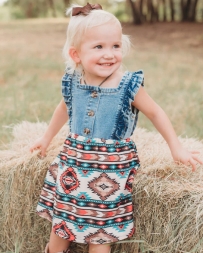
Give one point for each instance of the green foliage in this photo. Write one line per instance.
(28, 8)
(120, 10)
(17, 13)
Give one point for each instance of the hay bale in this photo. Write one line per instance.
(167, 197)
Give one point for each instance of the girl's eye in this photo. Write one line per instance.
(116, 46)
(99, 47)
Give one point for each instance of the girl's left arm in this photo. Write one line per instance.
(158, 117)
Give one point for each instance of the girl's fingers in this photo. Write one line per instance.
(34, 148)
(197, 159)
(194, 152)
(195, 156)
(191, 158)
(193, 163)
(43, 153)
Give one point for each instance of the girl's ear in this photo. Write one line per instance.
(74, 54)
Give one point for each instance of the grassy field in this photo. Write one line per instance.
(31, 67)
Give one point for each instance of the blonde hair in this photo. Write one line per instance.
(77, 27)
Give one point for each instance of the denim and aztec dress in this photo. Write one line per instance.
(87, 192)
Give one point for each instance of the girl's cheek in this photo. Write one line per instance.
(119, 56)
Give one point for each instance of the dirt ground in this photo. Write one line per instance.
(188, 36)
(172, 36)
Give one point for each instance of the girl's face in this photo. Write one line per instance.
(100, 51)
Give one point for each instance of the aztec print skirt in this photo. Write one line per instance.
(87, 190)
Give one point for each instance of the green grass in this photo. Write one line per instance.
(31, 67)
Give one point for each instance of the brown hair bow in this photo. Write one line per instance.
(85, 10)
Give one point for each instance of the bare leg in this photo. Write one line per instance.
(57, 244)
(98, 248)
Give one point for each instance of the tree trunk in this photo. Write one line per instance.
(193, 11)
(183, 10)
(149, 13)
(135, 13)
(187, 9)
(185, 5)
(152, 11)
(143, 17)
(66, 3)
(164, 10)
(172, 10)
(156, 11)
(29, 10)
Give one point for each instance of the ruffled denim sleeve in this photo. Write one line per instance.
(136, 81)
(67, 94)
(127, 117)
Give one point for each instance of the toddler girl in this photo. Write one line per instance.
(87, 189)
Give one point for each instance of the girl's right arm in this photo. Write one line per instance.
(59, 118)
(158, 117)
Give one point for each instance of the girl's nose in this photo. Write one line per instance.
(108, 55)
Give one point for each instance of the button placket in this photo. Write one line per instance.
(92, 105)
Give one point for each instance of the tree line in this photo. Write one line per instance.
(141, 10)
(164, 10)
(38, 8)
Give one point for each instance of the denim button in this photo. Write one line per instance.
(94, 94)
(86, 130)
(90, 113)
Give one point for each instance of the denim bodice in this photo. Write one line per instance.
(97, 112)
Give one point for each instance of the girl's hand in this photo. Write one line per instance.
(186, 157)
(42, 144)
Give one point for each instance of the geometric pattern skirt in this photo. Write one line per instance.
(87, 192)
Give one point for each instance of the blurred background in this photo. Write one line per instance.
(137, 11)
(167, 38)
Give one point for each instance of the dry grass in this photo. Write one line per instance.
(167, 198)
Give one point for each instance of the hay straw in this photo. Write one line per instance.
(168, 198)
